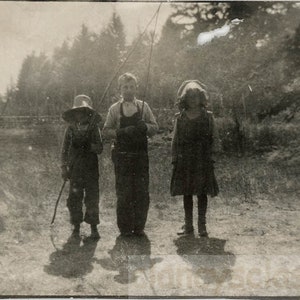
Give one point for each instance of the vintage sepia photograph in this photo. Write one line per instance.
(150, 149)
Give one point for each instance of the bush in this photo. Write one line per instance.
(256, 137)
(269, 136)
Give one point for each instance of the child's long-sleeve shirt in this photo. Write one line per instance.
(80, 149)
(113, 117)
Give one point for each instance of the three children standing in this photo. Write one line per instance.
(129, 123)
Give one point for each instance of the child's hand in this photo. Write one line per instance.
(86, 146)
(81, 143)
(96, 148)
(129, 130)
(141, 125)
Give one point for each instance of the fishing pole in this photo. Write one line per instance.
(150, 57)
(57, 201)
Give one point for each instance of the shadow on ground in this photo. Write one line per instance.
(207, 256)
(73, 260)
(128, 255)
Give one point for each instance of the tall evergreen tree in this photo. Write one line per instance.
(32, 79)
(110, 47)
(59, 90)
(80, 78)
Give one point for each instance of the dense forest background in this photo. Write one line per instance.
(252, 72)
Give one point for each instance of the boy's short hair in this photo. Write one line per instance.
(125, 78)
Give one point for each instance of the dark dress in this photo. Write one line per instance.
(132, 177)
(193, 172)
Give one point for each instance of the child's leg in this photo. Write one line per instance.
(141, 194)
(94, 232)
(188, 215)
(76, 229)
(74, 204)
(188, 211)
(125, 209)
(124, 190)
(91, 201)
(202, 208)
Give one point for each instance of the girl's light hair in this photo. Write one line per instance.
(195, 86)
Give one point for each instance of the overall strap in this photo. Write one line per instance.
(139, 111)
(121, 110)
(210, 127)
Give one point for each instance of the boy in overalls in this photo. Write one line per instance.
(128, 123)
(79, 162)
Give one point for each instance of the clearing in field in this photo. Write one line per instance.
(252, 249)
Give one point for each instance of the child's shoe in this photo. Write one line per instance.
(202, 230)
(76, 231)
(186, 230)
(94, 233)
(139, 232)
(126, 233)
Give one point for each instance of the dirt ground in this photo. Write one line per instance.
(252, 249)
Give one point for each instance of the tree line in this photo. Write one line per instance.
(250, 72)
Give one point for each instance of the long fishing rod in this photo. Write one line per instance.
(150, 58)
(129, 54)
(56, 204)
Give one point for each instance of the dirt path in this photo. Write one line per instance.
(252, 249)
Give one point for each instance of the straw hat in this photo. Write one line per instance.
(81, 103)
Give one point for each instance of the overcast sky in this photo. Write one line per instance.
(41, 26)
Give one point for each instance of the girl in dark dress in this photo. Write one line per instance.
(192, 147)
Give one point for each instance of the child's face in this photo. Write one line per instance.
(193, 99)
(128, 90)
(81, 117)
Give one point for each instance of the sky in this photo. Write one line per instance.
(41, 26)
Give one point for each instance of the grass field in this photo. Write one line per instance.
(253, 229)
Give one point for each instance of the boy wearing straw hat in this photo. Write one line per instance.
(79, 163)
(128, 123)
